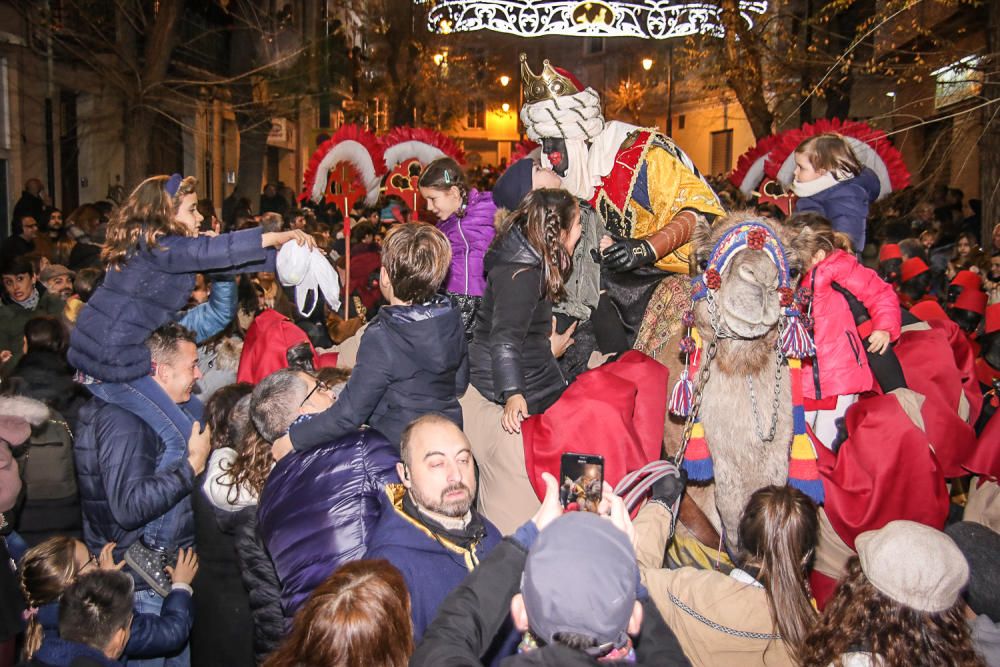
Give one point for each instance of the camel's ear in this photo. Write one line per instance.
(701, 244)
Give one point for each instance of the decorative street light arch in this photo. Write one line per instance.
(649, 19)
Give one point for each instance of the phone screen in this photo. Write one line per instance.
(581, 478)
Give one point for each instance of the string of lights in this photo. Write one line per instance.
(649, 19)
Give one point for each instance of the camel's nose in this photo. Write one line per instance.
(764, 274)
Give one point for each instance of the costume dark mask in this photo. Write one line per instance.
(555, 149)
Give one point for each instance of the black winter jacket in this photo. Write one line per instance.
(510, 351)
(222, 605)
(261, 582)
(472, 615)
(412, 360)
(120, 491)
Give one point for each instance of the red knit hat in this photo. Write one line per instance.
(912, 268)
(973, 300)
(968, 280)
(889, 251)
(928, 310)
(992, 318)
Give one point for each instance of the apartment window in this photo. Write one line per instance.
(680, 121)
(722, 152)
(476, 118)
(957, 81)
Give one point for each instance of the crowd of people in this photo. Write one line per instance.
(243, 439)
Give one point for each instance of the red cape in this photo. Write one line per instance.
(942, 378)
(884, 471)
(617, 411)
(265, 347)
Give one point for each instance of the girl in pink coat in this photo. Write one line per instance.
(856, 317)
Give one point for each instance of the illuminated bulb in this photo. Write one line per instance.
(505, 107)
(647, 64)
(438, 59)
(504, 80)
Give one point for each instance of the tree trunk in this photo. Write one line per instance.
(744, 67)
(137, 130)
(147, 92)
(989, 145)
(253, 119)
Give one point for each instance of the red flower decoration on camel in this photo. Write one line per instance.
(756, 238)
(787, 296)
(712, 279)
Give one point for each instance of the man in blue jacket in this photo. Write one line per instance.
(116, 456)
(429, 528)
(317, 507)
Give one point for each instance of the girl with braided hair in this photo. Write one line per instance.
(48, 569)
(510, 357)
(465, 215)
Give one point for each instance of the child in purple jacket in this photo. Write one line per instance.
(466, 217)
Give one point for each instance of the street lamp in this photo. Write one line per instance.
(647, 64)
(504, 80)
(438, 59)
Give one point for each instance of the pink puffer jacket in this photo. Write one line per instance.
(840, 366)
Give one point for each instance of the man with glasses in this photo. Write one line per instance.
(22, 241)
(318, 506)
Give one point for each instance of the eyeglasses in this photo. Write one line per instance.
(92, 560)
(319, 386)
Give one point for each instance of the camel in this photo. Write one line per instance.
(749, 432)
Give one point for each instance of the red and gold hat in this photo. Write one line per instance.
(972, 300)
(968, 280)
(912, 268)
(889, 251)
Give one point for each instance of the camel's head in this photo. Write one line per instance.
(747, 270)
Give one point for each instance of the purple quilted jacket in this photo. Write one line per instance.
(470, 238)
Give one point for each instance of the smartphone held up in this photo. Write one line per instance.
(581, 478)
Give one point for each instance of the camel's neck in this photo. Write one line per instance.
(745, 357)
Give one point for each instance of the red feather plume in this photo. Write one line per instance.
(349, 132)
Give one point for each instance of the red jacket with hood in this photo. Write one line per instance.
(840, 366)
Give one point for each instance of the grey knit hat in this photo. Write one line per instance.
(581, 577)
(981, 548)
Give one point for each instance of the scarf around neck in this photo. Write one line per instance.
(815, 186)
(31, 302)
(473, 531)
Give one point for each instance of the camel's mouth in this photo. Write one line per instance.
(748, 313)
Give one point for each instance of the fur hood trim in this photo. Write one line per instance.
(32, 411)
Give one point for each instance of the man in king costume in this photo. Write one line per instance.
(646, 189)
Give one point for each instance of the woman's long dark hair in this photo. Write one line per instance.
(859, 617)
(542, 217)
(358, 617)
(778, 534)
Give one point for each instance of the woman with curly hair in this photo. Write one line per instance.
(898, 606)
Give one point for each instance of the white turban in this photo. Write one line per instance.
(575, 118)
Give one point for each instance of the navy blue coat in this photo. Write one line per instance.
(845, 205)
(412, 360)
(318, 507)
(151, 635)
(120, 492)
(109, 341)
(431, 565)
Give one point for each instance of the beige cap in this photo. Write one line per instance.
(914, 565)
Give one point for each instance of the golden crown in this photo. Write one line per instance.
(547, 86)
